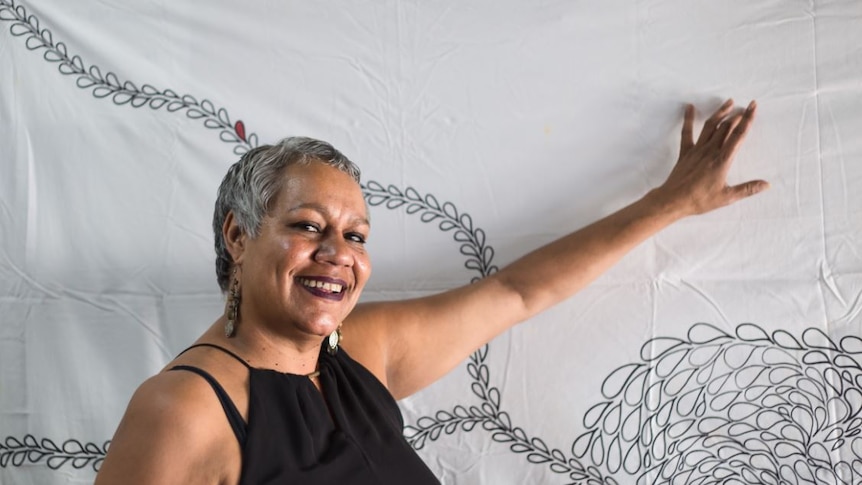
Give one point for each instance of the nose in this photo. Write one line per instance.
(333, 249)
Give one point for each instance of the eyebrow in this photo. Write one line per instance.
(323, 210)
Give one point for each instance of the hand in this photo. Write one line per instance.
(698, 182)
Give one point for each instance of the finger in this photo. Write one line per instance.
(726, 128)
(747, 189)
(687, 140)
(735, 138)
(713, 121)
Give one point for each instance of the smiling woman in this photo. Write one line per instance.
(266, 396)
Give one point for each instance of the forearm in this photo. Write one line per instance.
(561, 268)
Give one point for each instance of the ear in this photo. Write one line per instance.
(234, 238)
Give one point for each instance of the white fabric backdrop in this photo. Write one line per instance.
(503, 124)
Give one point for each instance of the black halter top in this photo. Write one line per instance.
(293, 435)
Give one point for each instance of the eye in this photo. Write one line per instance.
(307, 226)
(356, 237)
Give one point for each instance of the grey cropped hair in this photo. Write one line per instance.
(251, 184)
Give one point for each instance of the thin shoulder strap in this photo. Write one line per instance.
(230, 410)
(228, 352)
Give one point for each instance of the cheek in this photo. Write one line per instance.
(363, 269)
(285, 246)
(290, 252)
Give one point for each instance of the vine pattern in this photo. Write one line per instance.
(120, 92)
(15, 452)
(487, 413)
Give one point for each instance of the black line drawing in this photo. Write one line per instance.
(122, 92)
(29, 450)
(750, 407)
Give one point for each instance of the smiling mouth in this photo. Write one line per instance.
(322, 286)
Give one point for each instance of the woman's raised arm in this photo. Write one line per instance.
(415, 342)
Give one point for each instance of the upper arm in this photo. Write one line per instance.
(412, 343)
(170, 433)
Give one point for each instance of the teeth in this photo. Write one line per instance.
(330, 287)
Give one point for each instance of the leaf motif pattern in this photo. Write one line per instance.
(446, 216)
(752, 407)
(29, 450)
(109, 85)
(487, 413)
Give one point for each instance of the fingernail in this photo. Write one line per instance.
(728, 102)
(752, 105)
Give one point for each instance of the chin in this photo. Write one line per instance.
(323, 328)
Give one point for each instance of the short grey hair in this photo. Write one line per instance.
(252, 183)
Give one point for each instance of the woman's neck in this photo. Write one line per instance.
(268, 350)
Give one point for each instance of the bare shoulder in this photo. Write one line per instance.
(174, 431)
(416, 341)
(376, 334)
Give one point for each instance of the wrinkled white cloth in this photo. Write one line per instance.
(483, 129)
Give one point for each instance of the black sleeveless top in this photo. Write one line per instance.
(293, 436)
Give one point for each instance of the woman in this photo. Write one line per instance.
(278, 390)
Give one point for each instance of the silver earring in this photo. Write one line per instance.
(334, 340)
(233, 300)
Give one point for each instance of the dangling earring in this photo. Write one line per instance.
(334, 340)
(232, 307)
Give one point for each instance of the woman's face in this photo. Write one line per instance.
(304, 272)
